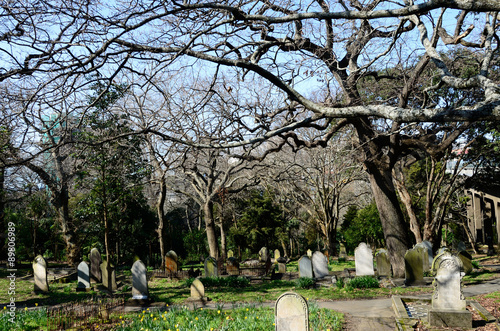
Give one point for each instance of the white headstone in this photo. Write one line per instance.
(197, 289)
(320, 265)
(448, 283)
(139, 281)
(363, 260)
(83, 277)
(263, 254)
(305, 267)
(40, 274)
(291, 313)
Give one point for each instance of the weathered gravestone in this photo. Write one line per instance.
(40, 274)
(230, 253)
(305, 267)
(448, 303)
(414, 266)
(281, 265)
(320, 265)
(277, 254)
(171, 262)
(95, 265)
(309, 253)
(460, 246)
(233, 266)
(442, 250)
(211, 269)
(83, 277)
(291, 313)
(430, 256)
(342, 252)
(106, 277)
(197, 290)
(466, 259)
(363, 260)
(383, 263)
(139, 281)
(263, 254)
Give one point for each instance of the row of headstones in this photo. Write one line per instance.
(315, 266)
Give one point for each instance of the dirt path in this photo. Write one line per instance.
(369, 323)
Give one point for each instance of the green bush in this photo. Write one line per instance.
(304, 282)
(363, 282)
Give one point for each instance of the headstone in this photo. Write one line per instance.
(104, 275)
(414, 266)
(442, 250)
(461, 246)
(171, 262)
(291, 313)
(363, 260)
(430, 256)
(230, 253)
(263, 254)
(211, 269)
(281, 267)
(139, 281)
(95, 265)
(342, 252)
(448, 303)
(40, 274)
(305, 267)
(197, 290)
(83, 277)
(466, 259)
(233, 267)
(277, 254)
(320, 265)
(309, 253)
(383, 263)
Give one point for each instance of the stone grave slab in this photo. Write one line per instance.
(83, 272)
(363, 260)
(105, 279)
(383, 263)
(95, 265)
(211, 269)
(320, 265)
(414, 266)
(305, 267)
(40, 274)
(139, 281)
(291, 313)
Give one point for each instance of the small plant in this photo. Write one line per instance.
(304, 282)
(363, 282)
(340, 283)
(475, 264)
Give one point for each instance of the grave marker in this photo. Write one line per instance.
(139, 281)
(305, 267)
(414, 266)
(83, 277)
(320, 265)
(40, 274)
(383, 263)
(291, 313)
(263, 254)
(171, 262)
(230, 253)
(197, 290)
(211, 269)
(363, 260)
(105, 278)
(95, 265)
(233, 267)
(277, 254)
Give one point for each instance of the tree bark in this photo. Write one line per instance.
(210, 229)
(161, 220)
(406, 199)
(391, 217)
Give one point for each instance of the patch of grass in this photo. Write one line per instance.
(24, 320)
(494, 295)
(235, 282)
(304, 282)
(363, 282)
(477, 277)
(340, 265)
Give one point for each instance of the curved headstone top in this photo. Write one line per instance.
(291, 313)
(173, 255)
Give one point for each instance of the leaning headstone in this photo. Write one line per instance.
(230, 253)
(430, 256)
(197, 290)
(95, 265)
(309, 253)
(363, 260)
(383, 263)
(320, 265)
(139, 281)
(105, 278)
(171, 262)
(232, 266)
(263, 254)
(466, 259)
(40, 274)
(342, 252)
(305, 267)
(291, 313)
(211, 269)
(448, 303)
(277, 254)
(83, 277)
(414, 266)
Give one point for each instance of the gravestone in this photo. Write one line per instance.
(448, 303)
(197, 290)
(277, 254)
(95, 265)
(230, 253)
(233, 267)
(430, 256)
(171, 262)
(139, 281)
(383, 263)
(104, 275)
(305, 267)
(461, 246)
(291, 313)
(40, 274)
(281, 265)
(342, 252)
(414, 266)
(442, 250)
(211, 269)
(363, 260)
(83, 277)
(466, 259)
(320, 265)
(309, 253)
(263, 254)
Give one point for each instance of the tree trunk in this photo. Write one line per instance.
(72, 247)
(161, 220)
(391, 217)
(406, 199)
(210, 229)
